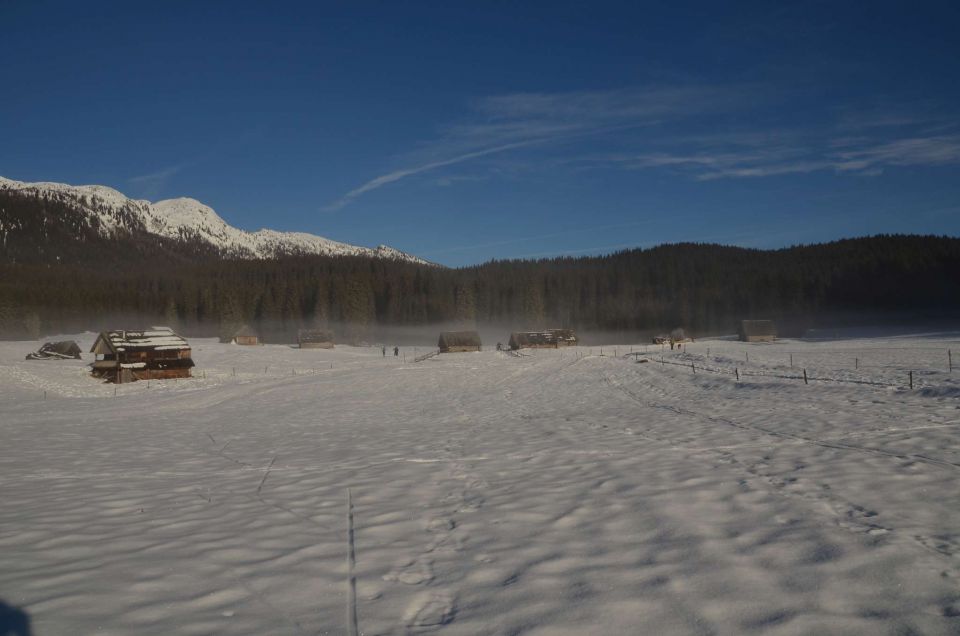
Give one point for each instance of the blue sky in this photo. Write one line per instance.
(500, 129)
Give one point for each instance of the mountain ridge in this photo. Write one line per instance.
(108, 211)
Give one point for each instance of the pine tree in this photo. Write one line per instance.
(170, 314)
(230, 317)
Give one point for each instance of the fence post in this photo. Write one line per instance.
(791, 360)
(856, 363)
(748, 356)
(911, 379)
(950, 360)
(737, 371)
(805, 377)
(694, 368)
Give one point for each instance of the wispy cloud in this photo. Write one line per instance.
(499, 124)
(150, 185)
(568, 124)
(396, 175)
(915, 151)
(756, 155)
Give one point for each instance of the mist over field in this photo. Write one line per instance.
(704, 289)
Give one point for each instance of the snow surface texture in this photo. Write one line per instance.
(188, 218)
(558, 492)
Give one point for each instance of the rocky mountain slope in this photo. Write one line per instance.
(96, 211)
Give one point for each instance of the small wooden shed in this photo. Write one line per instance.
(246, 335)
(757, 331)
(549, 339)
(154, 354)
(62, 350)
(315, 339)
(455, 341)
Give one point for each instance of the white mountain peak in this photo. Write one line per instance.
(188, 218)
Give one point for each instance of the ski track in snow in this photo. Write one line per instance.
(488, 494)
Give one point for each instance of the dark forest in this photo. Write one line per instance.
(58, 274)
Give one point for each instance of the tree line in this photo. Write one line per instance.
(703, 288)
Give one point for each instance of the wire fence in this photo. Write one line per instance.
(427, 355)
(737, 372)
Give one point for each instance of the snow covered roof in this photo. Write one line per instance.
(548, 336)
(157, 338)
(459, 339)
(245, 330)
(315, 335)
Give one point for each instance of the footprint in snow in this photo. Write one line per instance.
(411, 572)
(429, 612)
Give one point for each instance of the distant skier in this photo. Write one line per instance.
(384, 349)
(396, 352)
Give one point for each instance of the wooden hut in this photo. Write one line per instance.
(454, 341)
(245, 335)
(62, 350)
(549, 339)
(315, 339)
(155, 354)
(757, 331)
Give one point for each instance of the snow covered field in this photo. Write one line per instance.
(556, 493)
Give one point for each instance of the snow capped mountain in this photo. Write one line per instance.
(108, 210)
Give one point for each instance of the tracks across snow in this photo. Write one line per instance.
(490, 495)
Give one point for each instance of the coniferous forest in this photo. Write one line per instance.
(58, 274)
(704, 288)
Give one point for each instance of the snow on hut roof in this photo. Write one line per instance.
(460, 339)
(56, 350)
(157, 338)
(244, 330)
(547, 336)
(315, 335)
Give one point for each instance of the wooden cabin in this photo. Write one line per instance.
(315, 339)
(156, 354)
(245, 335)
(549, 339)
(757, 331)
(62, 350)
(455, 341)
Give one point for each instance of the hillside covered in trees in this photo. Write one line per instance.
(131, 281)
